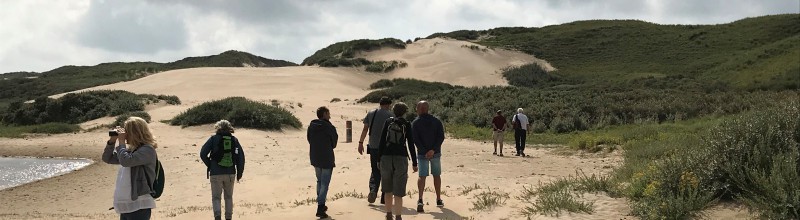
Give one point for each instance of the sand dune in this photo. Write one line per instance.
(278, 177)
(452, 61)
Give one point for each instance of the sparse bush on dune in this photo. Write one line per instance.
(79, 107)
(241, 112)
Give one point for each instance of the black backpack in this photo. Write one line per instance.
(396, 133)
(158, 184)
(517, 123)
(223, 153)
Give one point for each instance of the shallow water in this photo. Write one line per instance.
(18, 171)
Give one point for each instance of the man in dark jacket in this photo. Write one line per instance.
(428, 137)
(224, 159)
(322, 139)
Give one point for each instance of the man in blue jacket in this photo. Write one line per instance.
(322, 139)
(428, 137)
(224, 159)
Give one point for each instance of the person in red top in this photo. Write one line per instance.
(498, 128)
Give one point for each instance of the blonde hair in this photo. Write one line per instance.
(138, 133)
(223, 125)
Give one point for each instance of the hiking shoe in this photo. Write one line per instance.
(419, 206)
(371, 197)
(321, 211)
(439, 203)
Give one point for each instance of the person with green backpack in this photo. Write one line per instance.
(224, 159)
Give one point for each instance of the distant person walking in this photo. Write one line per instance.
(373, 126)
(136, 155)
(428, 137)
(322, 139)
(224, 159)
(498, 131)
(521, 125)
(395, 147)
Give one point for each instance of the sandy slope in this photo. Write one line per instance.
(278, 174)
(446, 60)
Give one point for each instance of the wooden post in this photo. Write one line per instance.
(349, 126)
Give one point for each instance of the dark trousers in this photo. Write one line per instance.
(375, 176)
(141, 214)
(519, 139)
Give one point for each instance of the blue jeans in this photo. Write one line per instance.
(323, 181)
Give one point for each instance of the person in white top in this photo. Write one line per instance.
(521, 127)
(137, 158)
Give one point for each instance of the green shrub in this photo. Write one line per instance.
(383, 83)
(241, 112)
(123, 117)
(398, 88)
(758, 159)
(530, 75)
(79, 107)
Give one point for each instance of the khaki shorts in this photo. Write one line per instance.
(394, 174)
(498, 136)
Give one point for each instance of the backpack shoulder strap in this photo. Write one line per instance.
(374, 113)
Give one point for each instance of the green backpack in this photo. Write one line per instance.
(223, 152)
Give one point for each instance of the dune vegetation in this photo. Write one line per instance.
(241, 112)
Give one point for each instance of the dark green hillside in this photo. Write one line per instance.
(753, 53)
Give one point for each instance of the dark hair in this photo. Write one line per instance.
(400, 109)
(321, 111)
(385, 101)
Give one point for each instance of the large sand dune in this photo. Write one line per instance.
(278, 176)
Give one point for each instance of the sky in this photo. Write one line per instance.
(40, 35)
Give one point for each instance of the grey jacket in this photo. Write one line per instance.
(142, 162)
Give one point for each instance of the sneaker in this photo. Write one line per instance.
(501, 154)
(419, 206)
(371, 197)
(439, 203)
(523, 155)
(495, 153)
